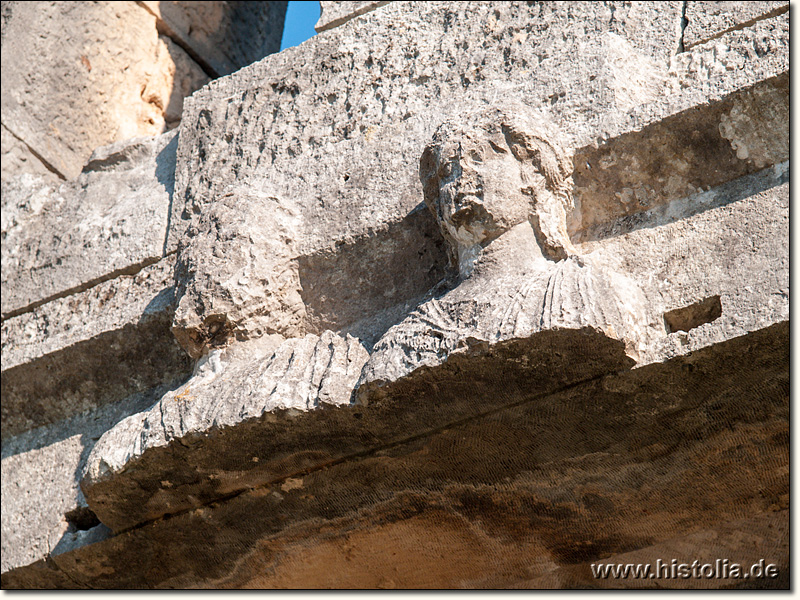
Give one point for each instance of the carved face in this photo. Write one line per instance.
(481, 190)
(492, 170)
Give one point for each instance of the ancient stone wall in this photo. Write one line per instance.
(450, 295)
(79, 75)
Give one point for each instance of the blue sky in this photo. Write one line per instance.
(300, 20)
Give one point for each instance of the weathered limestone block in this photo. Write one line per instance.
(515, 427)
(111, 220)
(222, 36)
(756, 125)
(344, 148)
(665, 271)
(681, 155)
(591, 308)
(43, 510)
(18, 158)
(691, 451)
(747, 270)
(89, 349)
(245, 388)
(709, 19)
(333, 14)
(76, 76)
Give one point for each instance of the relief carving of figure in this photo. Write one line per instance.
(499, 182)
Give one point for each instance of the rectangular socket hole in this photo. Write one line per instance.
(694, 315)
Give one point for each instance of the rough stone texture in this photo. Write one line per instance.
(90, 349)
(313, 125)
(544, 386)
(244, 388)
(756, 124)
(222, 36)
(428, 348)
(81, 75)
(344, 147)
(708, 20)
(748, 269)
(18, 158)
(333, 14)
(111, 220)
(542, 487)
(40, 494)
(691, 151)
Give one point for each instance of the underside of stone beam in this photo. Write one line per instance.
(556, 481)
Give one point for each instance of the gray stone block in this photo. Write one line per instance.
(112, 220)
(333, 14)
(345, 144)
(18, 158)
(344, 149)
(222, 36)
(89, 349)
(43, 510)
(708, 20)
(749, 273)
(78, 75)
(687, 454)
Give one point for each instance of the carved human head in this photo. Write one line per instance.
(486, 171)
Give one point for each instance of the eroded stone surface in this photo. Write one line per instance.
(562, 481)
(222, 36)
(354, 144)
(706, 20)
(333, 14)
(18, 158)
(89, 349)
(681, 155)
(40, 486)
(81, 75)
(111, 220)
(344, 148)
(748, 269)
(526, 437)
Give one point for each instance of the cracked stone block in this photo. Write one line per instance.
(231, 427)
(412, 351)
(672, 455)
(222, 36)
(344, 148)
(707, 20)
(77, 76)
(43, 510)
(89, 349)
(344, 144)
(333, 14)
(681, 155)
(111, 220)
(18, 158)
(201, 419)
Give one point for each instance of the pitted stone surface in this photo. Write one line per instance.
(708, 19)
(576, 352)
(111, 220)
(223, 36)
(344, 148)
(90, 349)
(333, 14)
(79, 75)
